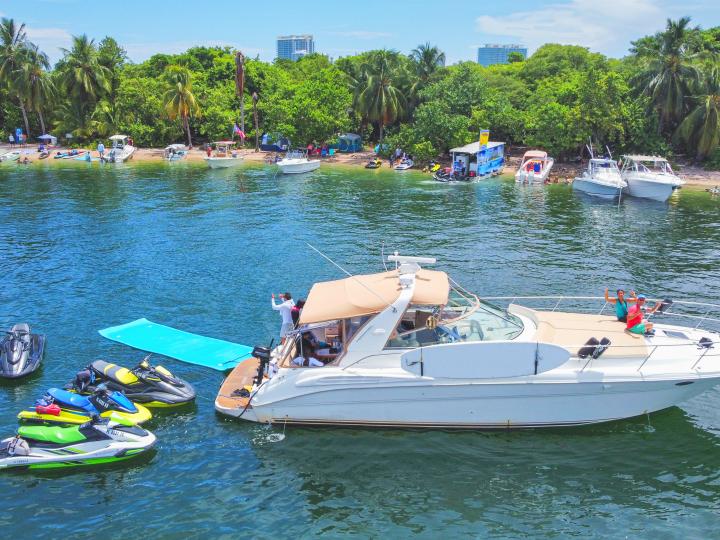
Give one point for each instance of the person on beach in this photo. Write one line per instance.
(635, 321)
(621, 303)
(285, 309)
(101, 151)
(208, 150)
(11, 139)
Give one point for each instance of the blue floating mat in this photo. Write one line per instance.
(192, 348)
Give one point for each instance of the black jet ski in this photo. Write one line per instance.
(153, 386)
(374, 164)
(20, 352)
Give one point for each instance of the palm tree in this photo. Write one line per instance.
(381, 99)
(255, 118)
(13, 41)
(240, 85)
(669, 71)
(179, 99)
(35, 84)
(82, 77)
(428, 59)
(701, 128)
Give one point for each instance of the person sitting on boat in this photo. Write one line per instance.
(306, 358)
(621, 303)
(635, 321)
(285, 309)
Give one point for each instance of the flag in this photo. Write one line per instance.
(239, 132)
(484, 138)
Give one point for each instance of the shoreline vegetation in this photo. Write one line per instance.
(663, 98)
(561, 173)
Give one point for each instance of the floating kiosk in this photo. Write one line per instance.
(476, 160)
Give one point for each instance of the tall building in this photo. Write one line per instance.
(493, 53)
(295, 47)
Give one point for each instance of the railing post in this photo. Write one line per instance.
(603, 308)
(558, 303)
(648, 357)
(702, 319)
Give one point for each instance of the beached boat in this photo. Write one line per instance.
(223, 156)
(409, 347)
(121, 150)
(601, 179)
(535, 167)
(12, 155)
(175, 152)
(297, 162)
(649, 177)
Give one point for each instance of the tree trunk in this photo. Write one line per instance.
(242, 113)
(42, 122)
(25, 118)
(255, 119)
(382, 125)
(187, 130)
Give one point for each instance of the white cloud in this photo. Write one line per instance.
(50, 40)
(606, 26)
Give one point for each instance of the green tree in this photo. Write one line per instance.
(179, 99)
(381, 99)
(701, 128)
(34, 82)
(669, 70)
(13, 45)
(515, 57)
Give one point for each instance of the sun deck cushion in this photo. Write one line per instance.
(114, 372)
(572, 330)
(51, 434)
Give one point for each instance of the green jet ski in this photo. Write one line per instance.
(96, 442)
(152, 386)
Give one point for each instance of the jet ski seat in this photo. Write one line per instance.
(71, 399)
(52, 434)
(114, 372)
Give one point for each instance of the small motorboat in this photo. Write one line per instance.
(59, 406)
(12, 155)
(601, 179)
(297, 162)
(404, 165)
(153, 386)
(223, 155)
(649, 177)
(375, 163)
(175, 152)
(68, 155)
(92, 443)
(20, 352)
(535, 167)
(121, 149)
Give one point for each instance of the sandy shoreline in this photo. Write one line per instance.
(561, 172)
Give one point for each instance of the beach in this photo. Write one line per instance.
(561, 172)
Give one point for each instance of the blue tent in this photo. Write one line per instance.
(350, 142)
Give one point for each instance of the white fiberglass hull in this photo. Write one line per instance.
(455, 404)
(648, 188)
(597, 189)
(223, 162)
(124, 155)
(298, 166)
(523, 176)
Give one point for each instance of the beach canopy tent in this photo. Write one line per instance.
(270, 143)
(350, 142)
(50, 139)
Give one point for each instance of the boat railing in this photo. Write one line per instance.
(704, 315)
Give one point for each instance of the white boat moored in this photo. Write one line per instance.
(297, 162)
(223, 156)
(601, 179)
(175, 152)
(534, 168)
(408, 347)
(120, 150)
(649, 177)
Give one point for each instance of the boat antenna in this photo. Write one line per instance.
(350, 275)
(589, 147)
(608, 151)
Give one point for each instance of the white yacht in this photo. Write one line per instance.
(649, 177)
(409, 347)
(601, 179)
(405, 164)
(120, 150)
(297, 162)
(535, 167)
(224, 155)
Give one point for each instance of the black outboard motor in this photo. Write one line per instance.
(262, 354)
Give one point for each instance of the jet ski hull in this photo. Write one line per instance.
(21, 352)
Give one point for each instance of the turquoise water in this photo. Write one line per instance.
(84, 248)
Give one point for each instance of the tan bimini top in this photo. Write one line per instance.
(371, 293)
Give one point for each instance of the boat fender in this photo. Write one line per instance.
(601, 348)
(589, 348)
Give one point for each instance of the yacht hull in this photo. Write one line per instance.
(223, 163)
(476, 405)
(596, 189)
(298, 168)
(649, 189)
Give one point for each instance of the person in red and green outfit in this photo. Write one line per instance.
(635, 322)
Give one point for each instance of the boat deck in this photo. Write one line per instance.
(242, 376)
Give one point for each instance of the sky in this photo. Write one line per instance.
(341, 28)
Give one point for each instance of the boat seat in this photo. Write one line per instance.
(114, 372)
(52, 434)
(73, 400)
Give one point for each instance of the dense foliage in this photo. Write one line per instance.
(663, 97)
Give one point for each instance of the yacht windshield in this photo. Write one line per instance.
(464, 318)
